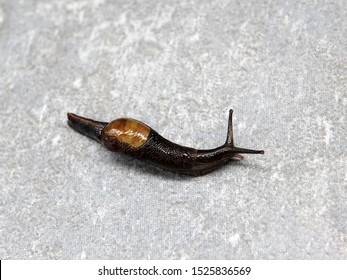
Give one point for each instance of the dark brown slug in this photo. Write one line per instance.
(137, 139)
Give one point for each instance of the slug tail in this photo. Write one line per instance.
(87, 127)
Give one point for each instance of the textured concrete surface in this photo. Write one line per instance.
(178, 66)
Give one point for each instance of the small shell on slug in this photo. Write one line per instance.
(129, 131)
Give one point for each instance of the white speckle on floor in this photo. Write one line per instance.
(234, 239)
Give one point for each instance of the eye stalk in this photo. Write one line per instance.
(230, 139)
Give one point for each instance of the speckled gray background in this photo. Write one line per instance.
(178, 66)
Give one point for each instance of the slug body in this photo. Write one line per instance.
(138, 140)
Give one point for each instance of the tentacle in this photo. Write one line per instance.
(230, 137)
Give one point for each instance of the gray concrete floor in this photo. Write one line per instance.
(178, 66)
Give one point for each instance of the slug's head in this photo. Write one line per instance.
(124, 134)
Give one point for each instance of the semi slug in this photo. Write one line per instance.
(138, 140)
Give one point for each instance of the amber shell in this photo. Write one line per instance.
(128, 131)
